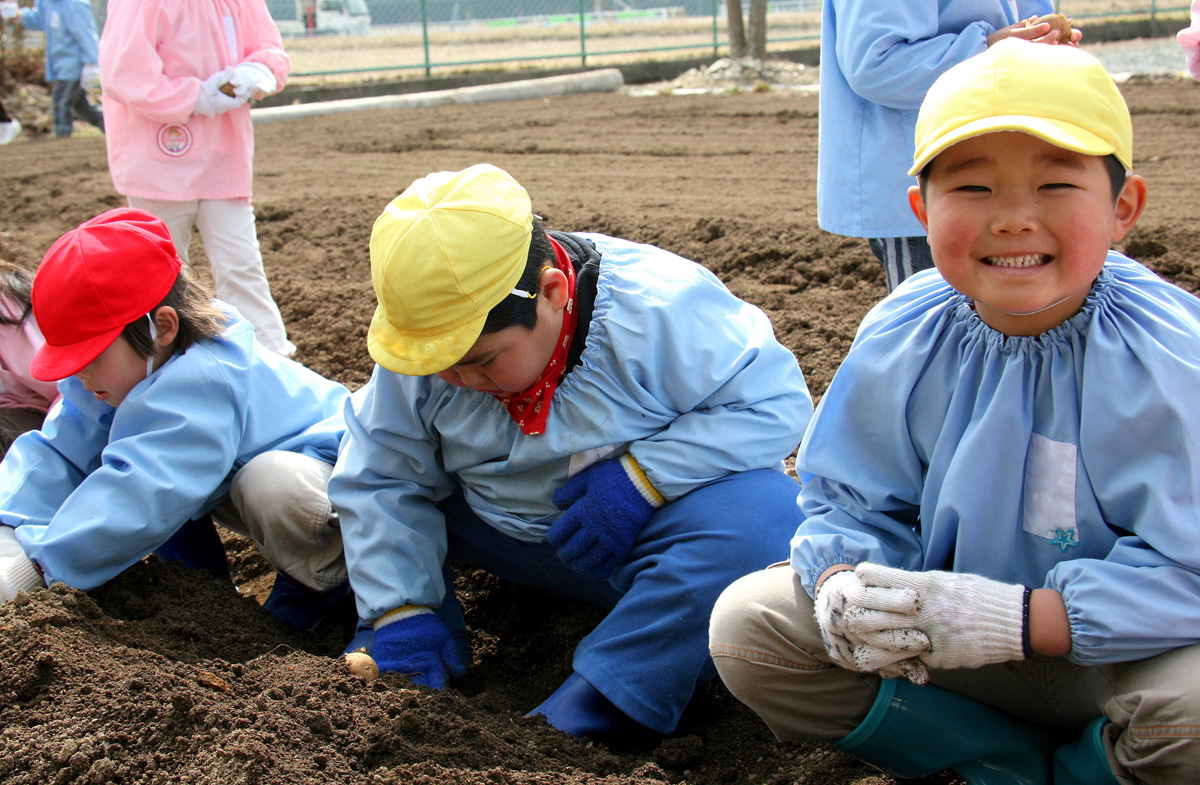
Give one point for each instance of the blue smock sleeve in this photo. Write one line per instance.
(1140, 449)
(385, 486)
(43, 467)
(863, 474)
(34, 18)
(698, 360)
(890, 53)
(172, 443)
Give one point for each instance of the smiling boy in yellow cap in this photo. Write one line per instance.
(592, 417)
(998, 571)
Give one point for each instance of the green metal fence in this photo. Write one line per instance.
(355, 40)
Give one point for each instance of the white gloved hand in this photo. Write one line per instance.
(89, 76)
(969, 621)
(16, 570)
(252, 80)
(890, 652)
(211, 101)
(9, 10)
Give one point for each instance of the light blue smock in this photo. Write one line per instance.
(687, 377)
(878, 59)
(99, 488)
(1069, 460)
(71, 40)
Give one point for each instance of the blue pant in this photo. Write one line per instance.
(67, 96)
(650, 652)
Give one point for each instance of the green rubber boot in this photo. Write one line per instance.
(1085, 762)
(914, 731)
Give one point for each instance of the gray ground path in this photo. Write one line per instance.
(1140, 57)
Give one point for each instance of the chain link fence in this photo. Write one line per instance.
(363, 40)
(355, 39)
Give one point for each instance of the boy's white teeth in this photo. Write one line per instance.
(1016, 261)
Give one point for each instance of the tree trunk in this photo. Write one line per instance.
(737, 32)
(757, 39)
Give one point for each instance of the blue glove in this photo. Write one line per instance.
(606, 507)
(412, 641)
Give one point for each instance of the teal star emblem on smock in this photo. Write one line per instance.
(1064, 538)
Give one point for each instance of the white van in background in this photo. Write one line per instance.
(327, 17)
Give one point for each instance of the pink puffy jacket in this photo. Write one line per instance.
(154, 54)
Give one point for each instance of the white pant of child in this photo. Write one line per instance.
(279, 500)
(767, 648)
(231, 242)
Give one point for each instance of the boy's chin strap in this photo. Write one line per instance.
(153, 338)
(1039, 310)
(531, 408)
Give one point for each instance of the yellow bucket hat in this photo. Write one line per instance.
(1055, 92)
(443, 254)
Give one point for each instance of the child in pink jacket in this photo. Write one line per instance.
(177, 77)
(24, 400)
(1189, 39)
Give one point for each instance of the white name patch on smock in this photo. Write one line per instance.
(584, 459)
(1050, 491)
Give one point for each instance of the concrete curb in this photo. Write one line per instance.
(603, 80)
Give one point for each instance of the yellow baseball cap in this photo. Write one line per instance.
(1058, 93)
(443, 254)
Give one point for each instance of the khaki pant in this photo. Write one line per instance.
(279, 501)
(768, 651)
(231, 242)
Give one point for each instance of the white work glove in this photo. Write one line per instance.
(9, 10)
(211, 101)
(252, 80)
(89, 76)
(970, 621)
(891, 653)
(16, 570)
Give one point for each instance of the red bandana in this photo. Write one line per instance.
(531, 408)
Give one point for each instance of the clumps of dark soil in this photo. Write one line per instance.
(168, 676)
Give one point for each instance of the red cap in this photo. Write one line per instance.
(106, 273)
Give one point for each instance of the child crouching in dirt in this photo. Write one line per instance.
(171, 409)
(1000, 529)
(594, 418)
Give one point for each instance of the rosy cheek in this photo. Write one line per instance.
(468, 378)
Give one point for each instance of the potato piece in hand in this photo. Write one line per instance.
(1062, 24)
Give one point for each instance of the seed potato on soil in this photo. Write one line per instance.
(167, 676)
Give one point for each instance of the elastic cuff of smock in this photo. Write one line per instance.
(17, 572)
(401, 613)
(641, 482)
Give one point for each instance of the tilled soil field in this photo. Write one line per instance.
(166, 676)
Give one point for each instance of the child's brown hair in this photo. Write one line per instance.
(199, 318)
